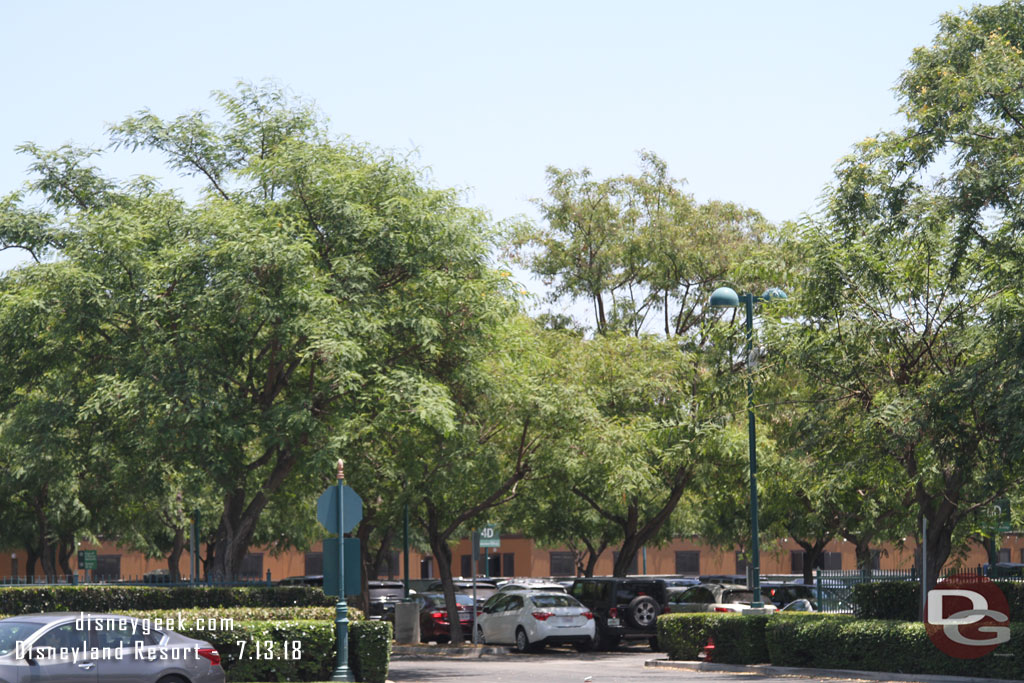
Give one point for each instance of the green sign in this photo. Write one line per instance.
(489, 536)
(353, 567)
(87, 559)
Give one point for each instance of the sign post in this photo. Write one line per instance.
(339, 509)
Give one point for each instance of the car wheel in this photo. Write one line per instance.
(642, 611)
(480, 635)
(522, 642)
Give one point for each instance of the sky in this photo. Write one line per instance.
(749, 101)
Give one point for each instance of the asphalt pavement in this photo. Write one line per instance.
(563, 665)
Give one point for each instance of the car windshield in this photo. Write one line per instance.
(554, 601)
(737, 596)
(11, 632)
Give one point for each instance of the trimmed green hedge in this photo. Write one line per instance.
(902, 599)
(739, 638)
(890, 646)
(299, 650)
(831, 641)
(27, 599)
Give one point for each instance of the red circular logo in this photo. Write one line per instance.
(967, 616)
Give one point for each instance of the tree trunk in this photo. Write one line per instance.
(31, 557)
(442, 555)
(812, 551)
(64, 552)
(862, 548)
(174, 559)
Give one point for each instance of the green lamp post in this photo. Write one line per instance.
(726, 297)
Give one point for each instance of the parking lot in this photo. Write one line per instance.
(558, 665)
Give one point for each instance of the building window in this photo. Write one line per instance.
(466, 563)
(563, 563)
(1004, 555)
(741, 563)
(252, 566)
(632, 568)
(1022, 555)
(314, 564)
(508, 564)
(108, 567)
(687, 562)
(832, 561)
(427, 568)
(876, 559)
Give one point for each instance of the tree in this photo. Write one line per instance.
(246, 335)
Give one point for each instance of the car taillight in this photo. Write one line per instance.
(542, 616)
(721, 609)
(588, 615)
(211, 654)
(613, 613)
(438, 616)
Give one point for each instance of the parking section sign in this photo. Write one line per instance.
(87, 559)
(489, 536)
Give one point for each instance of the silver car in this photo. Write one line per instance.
(530, 620)
(73, 647)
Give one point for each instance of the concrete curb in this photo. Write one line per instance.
(769, 670)
(446, 651)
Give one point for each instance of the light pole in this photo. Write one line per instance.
(726, 297)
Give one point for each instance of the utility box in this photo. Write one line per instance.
(407, 622)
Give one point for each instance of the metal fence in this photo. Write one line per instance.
(834, 589)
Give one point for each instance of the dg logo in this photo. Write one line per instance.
(967, 616)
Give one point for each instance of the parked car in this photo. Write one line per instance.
(800, 605)
(624, 608)
(713, 597)
(383, 595)
(781, 593)
(434, 624)
(58, 646)
(531, 585)
(530, 620)
(485, 588)
(310, 580)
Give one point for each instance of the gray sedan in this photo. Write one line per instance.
(72, 647)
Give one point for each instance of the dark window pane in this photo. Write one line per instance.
(252, 566)
(832, 561)
(508, 564)
(687, 562)
(876, 559)
(467, 566)
(314, 564)
(562, 564)
(796, 561)
(427, 568)
(1004, 555)
(108, 566)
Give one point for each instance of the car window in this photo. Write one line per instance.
(495, 603)
(554, 601)
(116, 633)
(65, 636)
(696, 594)
(514, 602)
(737, 596)
(13, 632)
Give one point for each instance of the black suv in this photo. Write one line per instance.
(623, 607)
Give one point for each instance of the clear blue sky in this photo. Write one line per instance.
(749, 101)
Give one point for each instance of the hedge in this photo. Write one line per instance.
(889, 646)
(24, 600)
(314, 660)
(831, 641)
(739, 639)
(902, 599)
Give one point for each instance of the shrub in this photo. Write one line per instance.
(300, 650)
(875, 645)
(739, 638)
(24, 600)
(902, 599)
